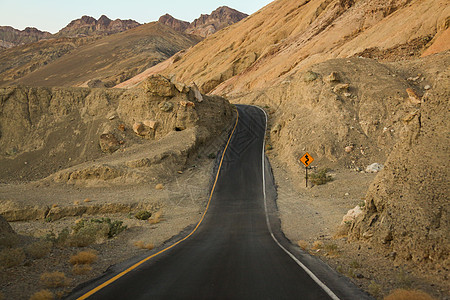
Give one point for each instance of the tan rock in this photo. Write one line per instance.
(197, 95)
(109, 143)
(348, 149)
(187, 103)
(333, 77)
(342, 87)
(159, 186)
(151, 124)
(138, 128)
(413, 97)
(121, 127)
(158, 85)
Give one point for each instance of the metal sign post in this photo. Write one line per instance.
(306, 159)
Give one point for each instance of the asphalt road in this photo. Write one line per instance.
(232, 254)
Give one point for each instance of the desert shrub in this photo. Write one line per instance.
(81, 269)
(142, 245)
(54, 280)
(303, 244)
(38, 249)
(115, 227)
(320, 177)
(42, 295)
(156, 218)
(331, 249)
(11, 257)
(59, 239)
(317, 245)
(143, 215)
(404, 280)
(83, 258)
(401, 294)
(342, 230)
(88, 233)
(355, 264)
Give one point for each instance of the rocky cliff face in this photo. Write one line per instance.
(87, 25)
(176, 24)
(206, 24)
(10, 37)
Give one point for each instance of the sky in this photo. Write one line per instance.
(53, 15)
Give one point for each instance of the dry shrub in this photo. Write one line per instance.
(11, 257)
(401, 294)
(54, 205)
(42, 295)
(76, 202)
(83, 258)
(331, 249)
(81, 269)
(38, 249)
(374, 289)
(303, 244)
(54, 280)
(142, 245)
(317, 245)
(156, 218)
(87, 200)
(143, 215)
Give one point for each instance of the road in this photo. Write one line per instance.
(233, 253)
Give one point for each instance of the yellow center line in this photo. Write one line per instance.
(106, 283)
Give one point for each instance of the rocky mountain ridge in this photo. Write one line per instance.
(87, 25)
(205, 25)
(11, 37)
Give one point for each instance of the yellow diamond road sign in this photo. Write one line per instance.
(306, 159)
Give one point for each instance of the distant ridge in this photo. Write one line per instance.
(206, 24)
(11, 37)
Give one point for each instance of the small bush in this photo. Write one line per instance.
(320, 177)
(142, 245)
(81, 269)
(143, 215)
(11, 257)
(42, 295)
(317, 245)
(38, 249)
(331, 249)
(401, 294)
(355, 264)
(303, 244)
(54, 280)
(404, 280)
(156, 218)
(83, 258)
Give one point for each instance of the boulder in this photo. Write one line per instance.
(352, 214)
(151, 124)
(374, 168)
(158, 85)
(413, 97)
(138, 128)
(333, 77)
(197, 95)
(109, 143)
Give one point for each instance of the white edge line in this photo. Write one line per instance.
(308, 271)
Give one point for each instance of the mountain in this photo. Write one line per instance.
(206, 25)
(286, 37)
(109, 60)
(87, 25)
(10, 37)
(176, 24)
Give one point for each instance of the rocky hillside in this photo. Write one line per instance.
(353, 83)
(99, 136)
(289, 36)
(10, 37)
(206, 24)
(111, 59)
(87, 25)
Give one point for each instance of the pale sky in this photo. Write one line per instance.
(53, 15)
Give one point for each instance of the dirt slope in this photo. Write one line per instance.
(112, 59)
(288, 36)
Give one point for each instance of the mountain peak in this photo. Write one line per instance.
(88, 25)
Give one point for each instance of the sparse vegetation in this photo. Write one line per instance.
(11, 257)
(320, 177)
(374, 289)
(401, 294)
(303, 244)
(404, 280)
(142, 245)
(42, 295)
(54, 280)
(81, 269)
(38, 249)
(83, 258)
(331, 249)
(143, 215)
(317, 245)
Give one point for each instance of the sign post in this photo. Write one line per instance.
(306, 159)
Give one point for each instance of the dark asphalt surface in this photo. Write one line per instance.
(232, 254)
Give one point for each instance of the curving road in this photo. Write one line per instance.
(233, 254)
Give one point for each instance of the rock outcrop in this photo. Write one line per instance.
(87, 25)
(11, 37)
(176, 24)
